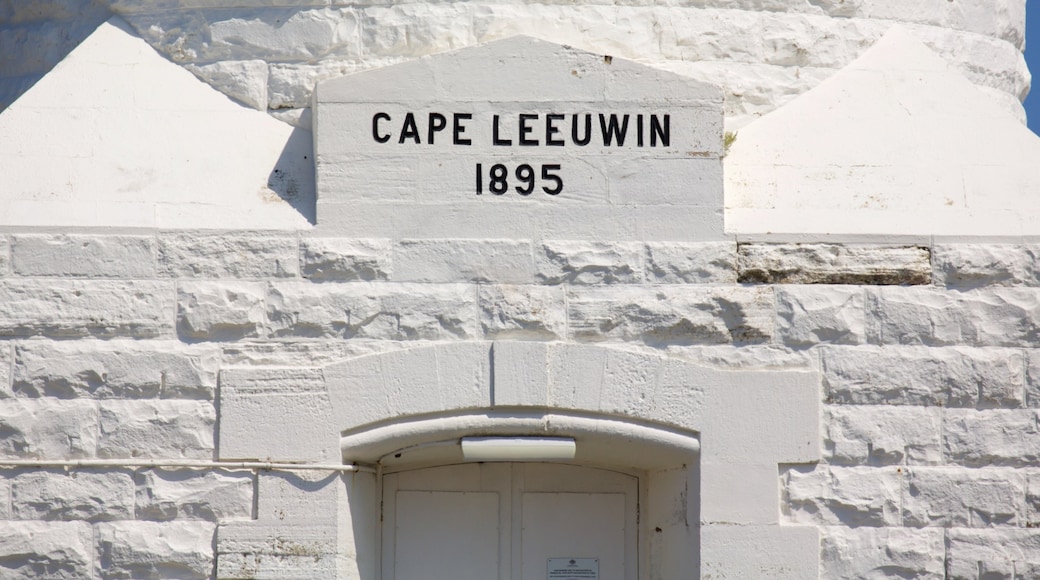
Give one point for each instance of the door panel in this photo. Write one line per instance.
(443, 534)
(573, 525)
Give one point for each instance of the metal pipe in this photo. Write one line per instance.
(182, 463)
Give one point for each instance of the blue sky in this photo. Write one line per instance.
(1033, 58)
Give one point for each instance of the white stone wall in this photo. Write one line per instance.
(117, 346)
(268, 54)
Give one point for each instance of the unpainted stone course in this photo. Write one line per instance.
(833, 264)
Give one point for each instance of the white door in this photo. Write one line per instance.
(509, 521)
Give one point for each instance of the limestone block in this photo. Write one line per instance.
(965, 266)
(366, 310)
(809, 315)
(915, 375)
(843, 496)
(290, 552)
(74, 308)
(6, 362)
(194, 255)
(1032, 500)
(521, 374)
(882, 435)
(953, 497)
(48, 428)
(114, 369)
(217, 496)
(290, 84)
(303, 353)
(588, 262)
(672, 315)
(300, 35)
(46, 550)
(984, 317)
(156, 429)
(691, 263)
(1032, 378)
(5, 253)
(991, 437)
(299, 497)
(855, 553)
(995, 553)
(155, 550)
(5, 494)
(442, 261)
(522, 312)
(75, 495)
(276, 414)
(777, 552)
(747, 357)
(82, 256)
(220, 310)
(345, 259)
(242, 80)
(832, 264)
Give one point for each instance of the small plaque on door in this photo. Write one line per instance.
(573, 569)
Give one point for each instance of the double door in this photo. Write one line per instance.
(510, 521)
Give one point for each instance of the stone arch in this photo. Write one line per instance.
(746, 422)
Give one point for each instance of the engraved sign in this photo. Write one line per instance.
(520, 139)
(573, 569)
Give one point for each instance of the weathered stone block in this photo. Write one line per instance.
(48, 428)
(672, 315)
(948, 377)
(991, 437)
(114, 369)
(365, 310)
(74, 308)
(218, 496)
(508, 261)
(46, 550)
(882, 435)
(80, 256)
(298, 497)
(292, 552)
(523, 312)
(965, 266)
(346, 259)
(220, 310)
(691, 263)
(935, 317)
(843, 496)
(856, 553)
(587, 262)
(810, 315)
(952, 497)
(5, 252)
(194, 255)
(1032, 388)
(75, 495)
(156, 429)
(833, 264)
(181, 550)
(996, 553)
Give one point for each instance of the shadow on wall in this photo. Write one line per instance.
(293, 175)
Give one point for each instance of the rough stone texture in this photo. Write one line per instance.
(79, 256)
(345, 259)
(585, 262)
(228, 256)
(949, 377)
(155, 550)
(855, 553)
(77, 495)
(116, 369)
(691, 263)
(69, 308)
(846, 496)
(243, 80)
(5, 256)
(984, 317)
(253, 550)
(46, 550)
(523, 312)
(991, 437)
(220, 310)
(1032, 378)
(48, 429)
(808, 315)
(882, 435)
(365, 310)
(975, 265)
(958, 498)
(508, 261)
(164, 495)
(832, 264)
(167, 429)
(667, 315)
(996, 553)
